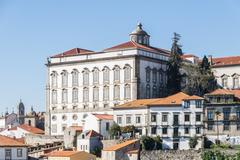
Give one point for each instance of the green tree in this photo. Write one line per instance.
(205, 65)
(147, 143)
(115, 130)
(174, 64)
(193, 141)
(158, 142)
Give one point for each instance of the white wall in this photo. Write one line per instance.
(14, 153)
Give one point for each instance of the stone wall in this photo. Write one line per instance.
(36, 139)
(171, 155)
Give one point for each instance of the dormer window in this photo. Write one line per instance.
(186, 104)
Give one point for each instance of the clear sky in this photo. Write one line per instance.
(32, 30)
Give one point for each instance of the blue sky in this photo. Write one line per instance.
(30, 31)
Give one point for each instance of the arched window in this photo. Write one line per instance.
(148, 92)
(235, 81)
(64, 96)
(54, 79)
(54, 96)
(154, 90)
(127, 72)
(95, 94)
(116, 92)
(105, 93)
(64, 78)
(85, 94)
(224, 81)
(75, 95)
(154, 75)
(95, 76)
(148, 74)
(116, 71)
(105, 75)
(127, 91)
(160, 77)
(75, 78)
(85, 76)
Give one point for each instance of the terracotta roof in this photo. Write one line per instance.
(92, 133)
(226, 61)
(77, 128)
(104, 116)
(173, 100)
(121, 145)
(22, 140)
(78, 154)
(10, 142)
(30, 129)
(188, 56)
(134, 45)
(73, 52)
(236, 92)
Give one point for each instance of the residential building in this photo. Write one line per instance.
(222, 116)
(226, 71)
(128, 150)
(9, 120)
(175, 118)
(12, 149)
(88, 141)
(81, 81)
(70, 155)
(21, 131)
(70, 136)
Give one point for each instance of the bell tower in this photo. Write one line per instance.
(21, 112)
(140, 36)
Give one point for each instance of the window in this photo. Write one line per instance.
(85, 106)
(54, 118)
(64, 126)
(198, 130)
(198, 104)
(186, 104)
(19, 152)
(116, 72)
(154, 75)
(210, 115)
(105, 93)
(238, 113)
(105, 105)
(154, 90)
(164, 130)
(226, 113)
(116, 92)
(225, 82)
(198, 117)
(138, 119)
(64, 79)
(154, 130)
(64, 117)
(153, 118)
(128, 119)
(235, 82)
(64, 96)
(75, 95)
(148, 91)
(160, 77)
(226, 126)
(74, 117)
(54, 96)
(95, 94)
(127, 73)
(95, 106)
(54, 128)
(238, 126)
(186, 130)
(85, 94)
(8, 154)
(75, 78)
(119, 120)
(95, 76)
(85, 77)
(54, 79)
(164, 118)
(148, 74)
(107, 126)
(187, 117)
(127, 91)
(105, 75)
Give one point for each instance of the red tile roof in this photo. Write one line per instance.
(188, 56)
(81, 155)
(104, 116)
(121, 145)
(134, 45)
(28, 128)
(226, 61)
(236, 92)
(73, 52)
(92, 133)
(10, 142)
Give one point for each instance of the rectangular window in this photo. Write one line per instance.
(226, 113)
(224, 82)
(107, 126)
(8, 154)
(85, 78)
(154, 130)
(116, 74)
(198, 130)
(210, 115)
(153, 118)
(210, 127)
(116, 92)
(164, 118)
(238, 126)
(186, 130)
(198, 117)
(95, 76)
(138, 119)
(64, 96)
(127, 91)
(19, 152)
(106, 93)
(164, 130)
(54, 128)
(106, 75)
(226, 126)
(64, 126)
(187, 117)
(236, 82)
(238, 113)
(198, 104)
(119, 120)
(128, 119)
(186, 104)
(95, 94)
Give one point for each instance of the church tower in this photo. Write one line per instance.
(21, 112)
(140, 36)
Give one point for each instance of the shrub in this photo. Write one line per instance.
(158, 142)
(115, 130)
(193, 141)
(207, 143)
(147, 143)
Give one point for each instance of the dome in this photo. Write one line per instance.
(139, 30)
(139, 35)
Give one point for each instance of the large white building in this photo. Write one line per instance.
(175, 118)
(81, 81)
